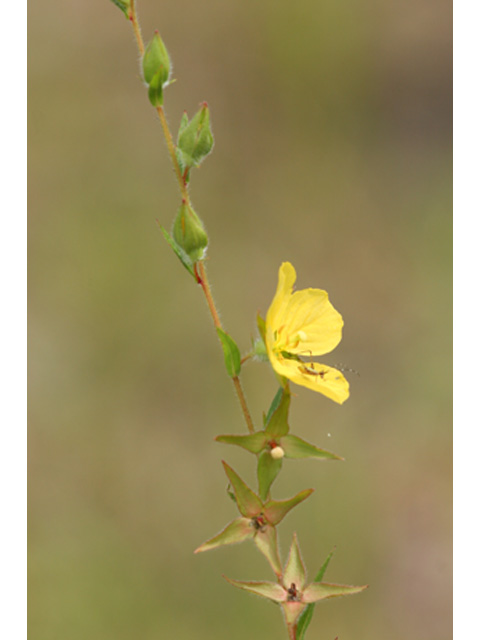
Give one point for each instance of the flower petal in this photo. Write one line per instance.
(286, 280)
(310, 315)
(318, 377)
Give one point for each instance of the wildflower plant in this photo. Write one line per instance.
(299, 325)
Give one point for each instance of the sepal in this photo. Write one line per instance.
(237, 531)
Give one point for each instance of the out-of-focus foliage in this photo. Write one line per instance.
(332, 124)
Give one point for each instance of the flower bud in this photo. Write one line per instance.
(189, 233)
(156, 69)
(195, 138)
(277, 453)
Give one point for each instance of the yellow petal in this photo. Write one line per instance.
(286, 280)
(318, 377)
(310, 315)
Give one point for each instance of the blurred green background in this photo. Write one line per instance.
(332, 122)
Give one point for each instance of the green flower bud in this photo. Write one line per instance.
(156, 62)
(189, 233)
(123, 5)
(195, 138)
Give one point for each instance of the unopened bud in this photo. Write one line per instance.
(156, 69)
(189, 233)
(277, 453)
(195, 138)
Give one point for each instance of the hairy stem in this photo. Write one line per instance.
(203, 282)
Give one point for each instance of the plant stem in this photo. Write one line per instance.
(292, 631)
(136, 28)
(202, 280)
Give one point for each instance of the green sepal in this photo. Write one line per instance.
(254, 442)
(195, 139)
(268, 590)
(276, 510)
(297, 448)
(237, 531)
(179, 252)
(155, 90)
(277, 420)
(261, 327)
(231, 353)
(266, 542)
(123, 5)
(267, 470)
(294, 568)
(248, 503)
(307, 615)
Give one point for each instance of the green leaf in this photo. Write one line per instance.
(275, 402)
(248, 503)
(307, 615)
(276, 510)
(297, 448)
(267, 470)
(231, 353)
(123, 5)
(179, 252)
(277, 421)
(237, 531)
(253, 443)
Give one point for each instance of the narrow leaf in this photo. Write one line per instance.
(179, 252)
(248, 503)
(275, 510)
(275, 402)
(277, 423)
(297, 448)
(254, 442)
(124, 5)
(231, 353)
(237, 531)
(268, 469)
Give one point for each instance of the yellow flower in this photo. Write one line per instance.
(302, 325)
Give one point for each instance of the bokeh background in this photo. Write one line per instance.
(332, 122)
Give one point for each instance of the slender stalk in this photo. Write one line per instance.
(292, 631)
(173, 155)
(203, 282)
(199, 267)
(136, 28)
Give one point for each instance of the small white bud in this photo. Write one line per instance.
(277, 453)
